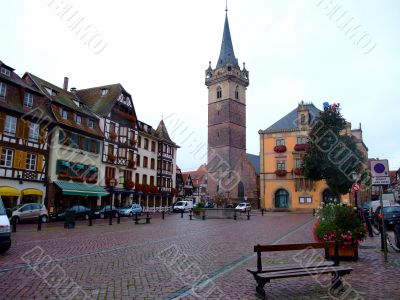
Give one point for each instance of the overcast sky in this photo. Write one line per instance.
(159, 50)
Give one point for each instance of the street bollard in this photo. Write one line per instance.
(203, 217)
(39, 224)
(248, 215)
(136, 219)
(262, 211)
(181, 213)
(110, 219)
(313, 212)
(90, 220)
(14, 224)
(163, 214)
(148, 218)
(382, 237)
(118, 219)
(190, 215)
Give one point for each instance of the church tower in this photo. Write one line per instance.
(226, 85)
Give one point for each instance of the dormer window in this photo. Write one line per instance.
(219, 92)
(303, 119)
(28, 100)
(64, 114)
(104, 92)
(5, 71)
(78, 119)
(91, 123)
(48, 90)
(77, 103)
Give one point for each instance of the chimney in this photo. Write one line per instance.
(73, 90)
(65, 86)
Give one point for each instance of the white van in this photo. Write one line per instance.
(183, 205)
(5, 229)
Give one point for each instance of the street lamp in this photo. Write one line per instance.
(354, 176)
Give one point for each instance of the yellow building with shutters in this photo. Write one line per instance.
(282, 145)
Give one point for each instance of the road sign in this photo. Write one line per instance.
(356, 187)
(380, 180)
(379, 168)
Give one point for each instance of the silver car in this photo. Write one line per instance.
(30, 212)
(130, 210)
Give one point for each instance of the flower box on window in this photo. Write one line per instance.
(300, 147)
(63, 176)
(77, 178)
(138, 187)
(129, 184)
(112, 158)
(280, 149)
(133, 142)
(298, 171)
(153, 189)
(91, 180)
(280, 173)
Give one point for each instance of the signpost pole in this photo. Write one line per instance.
(383, 232)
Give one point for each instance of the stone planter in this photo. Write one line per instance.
(345, 252)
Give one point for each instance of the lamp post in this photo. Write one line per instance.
(354, 176)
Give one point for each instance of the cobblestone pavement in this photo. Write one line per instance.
(174, 259)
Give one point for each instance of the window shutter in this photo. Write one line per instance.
(2, 121)
(61, 137)
(39, 164)
(25, 132)
(42, 134)
(20, 129)
(17, 158)
(22, 160)
(97, 146)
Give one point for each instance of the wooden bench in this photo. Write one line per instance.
(266, 274)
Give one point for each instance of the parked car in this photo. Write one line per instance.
(397, 235)
(5, 229)
(30, 212)
(104, 211)
(183, 206)
(230, 205)
(130, 210)
(80, 211)
(391, 214)
(209, 204)
(243, 207)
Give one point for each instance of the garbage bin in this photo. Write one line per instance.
(69, 221)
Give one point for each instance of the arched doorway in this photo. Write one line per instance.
(240, 190)
(328, 197)
(281, 198)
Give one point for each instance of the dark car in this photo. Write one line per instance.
(209, 205)
(391, 214)
(80, 212)
(105, 211)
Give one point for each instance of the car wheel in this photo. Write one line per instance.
(102, 216)
(131, 214)
(116, 215)
(44, 219)
(16, 220)
(5, 248)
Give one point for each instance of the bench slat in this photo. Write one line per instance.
(291, 267)
(299, 273)
(290, 247)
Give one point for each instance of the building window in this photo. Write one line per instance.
(237, 93)
(78, 119)
(305, 200)
(33, 132)
(137, 176)
(280, 165)
(144, 179)
(139, 143)
(138, 160)
(6, 158)
(145, 162)
(64, 114)
(152, 164)
(104, 92)
(152, 180)
(146, 144)
(122, 152)
(302, 140)
(31, 162)
(303, 119)
(5, 72)
(110, 151)
(3, 89)
(110, 172)
(298, 163)
(127, 175)
(219, 92)
(153, 146)
(280, 142)
(91, 123)
(10, 126)
(28, 100)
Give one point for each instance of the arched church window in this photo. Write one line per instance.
(303, 119)
(219, 92)
(237, 92)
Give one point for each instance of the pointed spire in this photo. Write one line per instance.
(226, 55)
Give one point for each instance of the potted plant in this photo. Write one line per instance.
(113, 135)
(280, 149)
(77, 178)
(112, 158)
(133, 141)
(111, 182)
(138, 187)
(91, 180)
(63, 176)
(298, 171)
(300, 147)
(131, 164)
(280, 173)
(340, 223)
